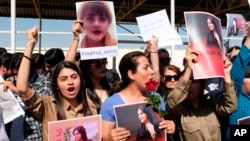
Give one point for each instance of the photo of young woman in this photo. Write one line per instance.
(149, 128)
(80, 134)
(214, 37)
(98, 24)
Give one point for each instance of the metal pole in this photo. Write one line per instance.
(13, 26)
(173, 26)
(40, 36)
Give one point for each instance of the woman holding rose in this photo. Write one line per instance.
(135, 72)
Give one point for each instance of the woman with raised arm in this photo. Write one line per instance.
(69, 98)
(195, 115)
(135, 72)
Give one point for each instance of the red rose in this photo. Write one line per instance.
(152, 85)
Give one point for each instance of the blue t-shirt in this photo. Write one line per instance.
(107, 110)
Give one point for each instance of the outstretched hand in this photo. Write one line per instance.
(77, 28)
(152, 44)
(32, 35)
(190, 57)
(227, 65)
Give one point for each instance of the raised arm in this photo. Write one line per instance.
(76, 29)
(229, 101)
(179, 93)
(22, 80)
(154, 58)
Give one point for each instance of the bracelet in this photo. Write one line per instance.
(27, 58)
(153, 52)
(76, 39)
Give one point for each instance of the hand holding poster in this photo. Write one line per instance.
(205, 35)
(87, 128)
(158, 24)
(236, 25)
(145, 122)
(98, 39)
(9, 104)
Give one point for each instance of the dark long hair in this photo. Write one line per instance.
(128, 62)
(81, 96)
(151, 116)
(85, 66)
(211, 41)
(83, 133)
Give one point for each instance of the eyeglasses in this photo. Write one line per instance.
(100, 63)
(164, 60)
(170, 77)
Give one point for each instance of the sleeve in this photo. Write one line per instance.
(178, 94)
(228, 103)
(240, 64)
(107, 111)
(35, 105)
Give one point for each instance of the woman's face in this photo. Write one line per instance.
(142, 116)
(210, 24)
(95, 26)
(98, 68)
(144, 73)
(68, 82)
(194, 89)
(170, 79)
(78, 136)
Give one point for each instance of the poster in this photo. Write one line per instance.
(89, 128)
(9, 104)
(99, 36)
(205, 35)
(141, 120)
(158, 24)
(236, 25)
(244, 121)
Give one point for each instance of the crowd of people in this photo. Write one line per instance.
(54, 86)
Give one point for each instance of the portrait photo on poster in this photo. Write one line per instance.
(235, 25)
(204, 32)
(145, 121)
(77, 129)
(98, 24)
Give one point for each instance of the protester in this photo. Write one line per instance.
(135, 72)
(69, 98)
(170, 75)
(240, 75)
(195, 115)
(94, 73)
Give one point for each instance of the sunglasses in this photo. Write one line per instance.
(170, 77)
(100, 63)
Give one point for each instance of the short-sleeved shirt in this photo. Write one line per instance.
(107, 110)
